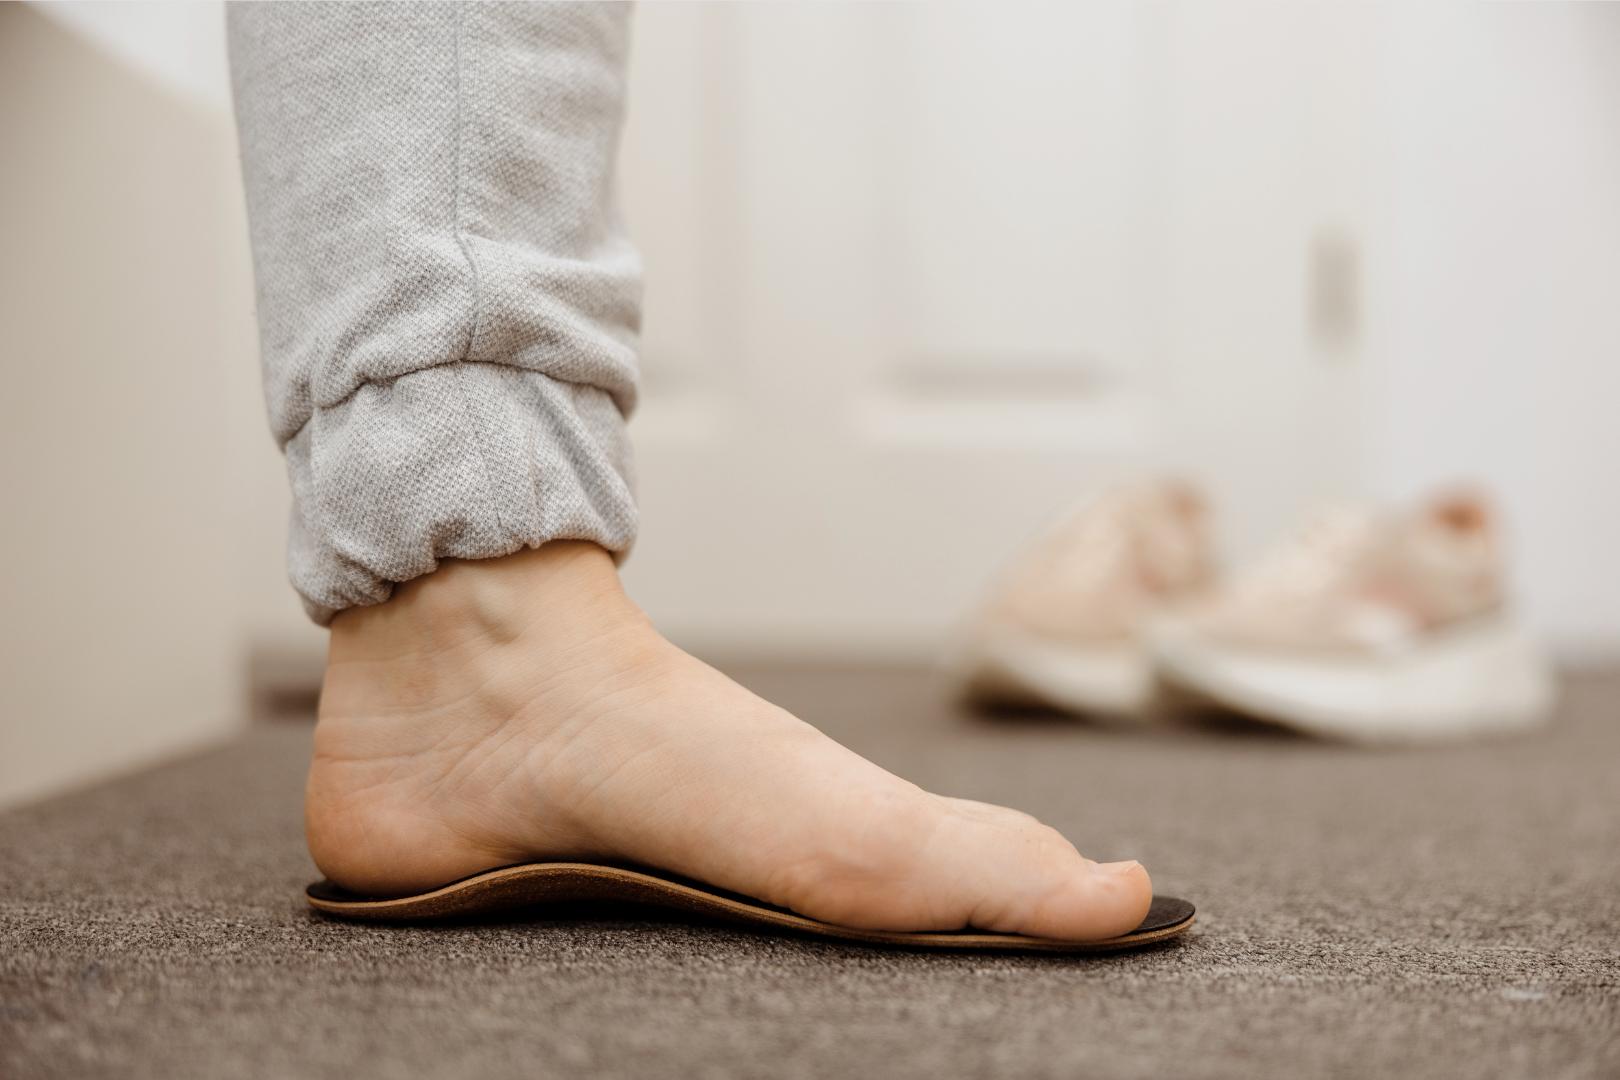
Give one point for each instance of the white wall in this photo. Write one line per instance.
(142, 496)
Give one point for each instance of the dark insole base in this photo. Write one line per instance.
(511, 888)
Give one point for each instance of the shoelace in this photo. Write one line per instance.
(1122, 534)
(1315, 558)
(1091, 548)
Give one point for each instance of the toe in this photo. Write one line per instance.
(1014, 875)
(1092, 903)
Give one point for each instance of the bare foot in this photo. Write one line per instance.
(522, 709)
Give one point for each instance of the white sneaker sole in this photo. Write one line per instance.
(1484, 679)
(1111, 682)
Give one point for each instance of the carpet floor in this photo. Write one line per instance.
(1439, 912)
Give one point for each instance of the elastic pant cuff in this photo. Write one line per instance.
(463, 461)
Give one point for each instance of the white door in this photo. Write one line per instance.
(919, 276)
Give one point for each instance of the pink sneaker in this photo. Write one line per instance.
(1066, 625)
(1369, 627)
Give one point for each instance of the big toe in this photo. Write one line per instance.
(1103, 900)
(1015, 875)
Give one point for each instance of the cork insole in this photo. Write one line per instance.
(515, 887)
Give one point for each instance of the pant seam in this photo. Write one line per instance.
(475, 282)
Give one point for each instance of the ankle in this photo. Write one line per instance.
(559, 594)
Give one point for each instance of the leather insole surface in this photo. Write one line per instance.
(513, 888)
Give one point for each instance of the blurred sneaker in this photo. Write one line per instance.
(1369, 627)
(1066, 625)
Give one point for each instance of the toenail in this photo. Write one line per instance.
(1119, 867)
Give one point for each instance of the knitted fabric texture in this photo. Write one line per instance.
(448, 305)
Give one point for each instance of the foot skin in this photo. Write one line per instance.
(523, 709)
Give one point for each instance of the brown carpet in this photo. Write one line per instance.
(1446, 912)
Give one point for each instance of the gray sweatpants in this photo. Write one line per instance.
(447, 304)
